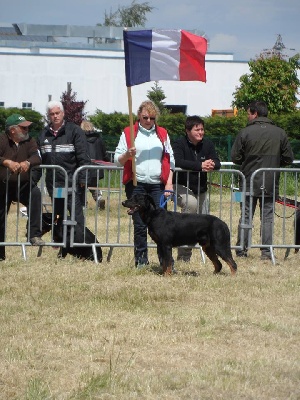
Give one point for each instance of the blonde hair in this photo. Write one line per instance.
(87, 126)
(150, 107)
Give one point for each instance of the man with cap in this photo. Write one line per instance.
(18, 153)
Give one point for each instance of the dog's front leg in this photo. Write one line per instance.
(166, 259)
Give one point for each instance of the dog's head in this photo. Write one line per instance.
(139, 202)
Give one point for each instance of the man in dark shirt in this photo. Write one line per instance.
(18, 153)
(261, 144)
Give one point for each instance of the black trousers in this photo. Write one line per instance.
(33, 209)
(140, 229)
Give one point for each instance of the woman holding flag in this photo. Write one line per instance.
(153, 157)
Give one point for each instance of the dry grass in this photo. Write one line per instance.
(73, 330)
(76, 330)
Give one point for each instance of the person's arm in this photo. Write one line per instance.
(237, 152)
(81, 147)
(122, 152)
(36, 173)
(33, 156)
(106, 156)
(287, 155)
(169, 184)
(213, 157)
(13, 166)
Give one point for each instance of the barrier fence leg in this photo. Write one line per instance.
(24, 252)
(109, 254)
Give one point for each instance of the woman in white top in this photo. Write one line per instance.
(154, 162)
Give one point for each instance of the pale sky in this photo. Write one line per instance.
(241, 27)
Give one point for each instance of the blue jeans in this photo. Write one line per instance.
(140, 229)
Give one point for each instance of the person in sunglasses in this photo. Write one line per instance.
(154, 161)
(18, 153)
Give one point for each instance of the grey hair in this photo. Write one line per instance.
(51, 104)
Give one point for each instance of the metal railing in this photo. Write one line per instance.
(113, 228)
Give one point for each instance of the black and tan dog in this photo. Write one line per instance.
(296, 229)
(83, 252)
(171, 229)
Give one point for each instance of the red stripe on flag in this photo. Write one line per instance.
(192, 57)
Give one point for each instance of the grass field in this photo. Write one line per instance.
(77, 330)
(73, 330)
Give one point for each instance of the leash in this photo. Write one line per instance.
(163, 200)
(284, 201)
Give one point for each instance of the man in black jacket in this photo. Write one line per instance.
(63, 143)
(261, 144)
(197, 154)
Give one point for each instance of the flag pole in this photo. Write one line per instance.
(131, 133)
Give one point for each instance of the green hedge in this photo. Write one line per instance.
(221, 130)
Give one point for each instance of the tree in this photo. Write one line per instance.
(130, 16)
(73, 108)
(157, 95)
(273, 80)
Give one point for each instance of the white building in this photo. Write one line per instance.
(37, 62)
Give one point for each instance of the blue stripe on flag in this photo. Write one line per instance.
(137, 48)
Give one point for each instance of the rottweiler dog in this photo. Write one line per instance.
(297, 228)
(171, 229)
(82, 252)
(296, 205)
(297, 231)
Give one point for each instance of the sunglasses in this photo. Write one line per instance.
(146, 118)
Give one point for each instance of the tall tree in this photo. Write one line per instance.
(73, 108)
(130, 16)
(273, 80)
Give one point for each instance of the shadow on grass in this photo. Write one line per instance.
(157, 269)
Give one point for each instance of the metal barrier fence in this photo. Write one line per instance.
(113, 228)
(17, 218)
(283, 228)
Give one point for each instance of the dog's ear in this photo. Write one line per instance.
(151, 201)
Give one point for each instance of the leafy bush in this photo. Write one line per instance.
(221, 130)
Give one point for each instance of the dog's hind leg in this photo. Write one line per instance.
(232, 265)
(226, 255)
(211, 254)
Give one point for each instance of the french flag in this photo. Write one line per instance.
(171, 55)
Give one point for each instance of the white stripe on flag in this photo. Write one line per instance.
(165, 55)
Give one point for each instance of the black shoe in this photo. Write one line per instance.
(265, 257)
(141, 265)
(101, 204)
(184, 259)
(242, 254)
(37, 241)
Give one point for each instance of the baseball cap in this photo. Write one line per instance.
(16, 119)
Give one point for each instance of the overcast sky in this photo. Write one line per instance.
(242, 27)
